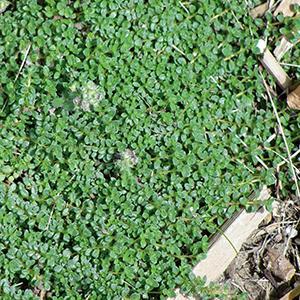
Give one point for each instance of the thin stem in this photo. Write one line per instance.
(283, 136)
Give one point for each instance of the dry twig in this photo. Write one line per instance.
(23, 62)
(283, 136)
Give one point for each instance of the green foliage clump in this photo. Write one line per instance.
(131, 134)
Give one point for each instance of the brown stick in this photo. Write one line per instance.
(293, 98)
(284, 46)
(275, 69)
(292, 294)
(285, 8)
(259, 10)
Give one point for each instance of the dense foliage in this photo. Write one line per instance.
(130, 134)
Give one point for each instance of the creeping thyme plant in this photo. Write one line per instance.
(130, 130)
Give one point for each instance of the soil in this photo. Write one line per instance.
(268, 265)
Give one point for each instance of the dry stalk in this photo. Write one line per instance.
(283, 136)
